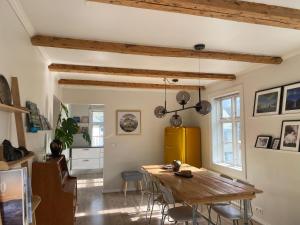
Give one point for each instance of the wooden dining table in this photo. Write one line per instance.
(205, 187)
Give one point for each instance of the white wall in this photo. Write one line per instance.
(128, 152)
(19, 58)
(275, 172)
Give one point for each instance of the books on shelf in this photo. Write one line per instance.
(15, 197)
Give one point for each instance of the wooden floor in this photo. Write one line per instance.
(96, 208)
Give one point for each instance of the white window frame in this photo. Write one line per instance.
(238, 172)
(92, 123)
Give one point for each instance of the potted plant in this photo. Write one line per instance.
(66, 127)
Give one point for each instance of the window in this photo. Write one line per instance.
(97, 128)
(227, 149)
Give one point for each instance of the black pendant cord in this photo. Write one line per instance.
(166, 94)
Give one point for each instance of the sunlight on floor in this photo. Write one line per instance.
(87, 183)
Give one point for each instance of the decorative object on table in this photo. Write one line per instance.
(263, 141)
(291, 99)
(84, 119)
(202, 107)
(184, 173)
(176, 165)
(128, 122)
(290, 135)
(5, 94)
(11, 153)
(275, 143)
(267, 102)
(66, 127)
(33, 118)
(77, 119)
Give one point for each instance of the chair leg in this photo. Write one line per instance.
(186, 223)
(151, 210)
(125, 188)
(162, 222)
(140, 185)
(209, 213)
(148, 206)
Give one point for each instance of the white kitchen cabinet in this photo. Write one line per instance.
(87, 158)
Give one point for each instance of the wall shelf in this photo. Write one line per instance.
(12, 108)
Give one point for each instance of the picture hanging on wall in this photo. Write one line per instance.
(275, 143)
(267, 102)
(263, 141)
(128, 122)
(291, 99)
(290, 135)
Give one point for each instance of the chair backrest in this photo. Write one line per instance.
(167, 194)
(226, 176)
(147, 180)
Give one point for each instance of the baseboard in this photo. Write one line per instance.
(259, 220)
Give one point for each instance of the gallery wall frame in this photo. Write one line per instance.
(275, 144)
(290, 135)
(290, 90)
(291, 98)
(128, 122)
(274, 95)
(263, 141)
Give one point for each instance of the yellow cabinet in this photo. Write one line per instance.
(183, 144)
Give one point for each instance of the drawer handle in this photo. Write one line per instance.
(86, 160)
(85, 149)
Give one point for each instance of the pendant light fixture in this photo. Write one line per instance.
(203, 107)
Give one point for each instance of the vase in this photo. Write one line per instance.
(176, 165)
(56, 147)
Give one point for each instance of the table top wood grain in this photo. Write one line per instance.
(204, 187)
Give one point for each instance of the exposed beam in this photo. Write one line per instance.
(67, 68)
(70, 43)
(240, 11)
(125, 84)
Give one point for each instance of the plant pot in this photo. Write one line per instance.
(56, 147)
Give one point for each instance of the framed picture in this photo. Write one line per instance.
(84, 119)
(275, 143)
(263, 141)
(128, 122)
(267, 102)
(291, 98)
(290, 135)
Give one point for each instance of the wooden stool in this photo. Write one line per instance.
(135, 176)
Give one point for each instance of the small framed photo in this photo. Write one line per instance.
(291, 99)
(275, 143)
(290, 135)
(263, 141)
(128, 122)
(267, 102)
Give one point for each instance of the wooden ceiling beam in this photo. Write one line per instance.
(67, 68)
(241, 11)
(126, 84)
(70, 43)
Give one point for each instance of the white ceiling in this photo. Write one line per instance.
(94, 21)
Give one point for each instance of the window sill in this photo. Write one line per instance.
(237, 168)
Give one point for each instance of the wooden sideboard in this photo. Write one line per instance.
(58, 190)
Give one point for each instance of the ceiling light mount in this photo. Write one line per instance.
(199, 47)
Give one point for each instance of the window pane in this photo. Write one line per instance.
(226, 108)
(238, 106)
(239, 144)
(97, 141)
(96, 131)
(227, 143)
(98, 117)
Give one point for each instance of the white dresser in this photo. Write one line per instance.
(87, 158)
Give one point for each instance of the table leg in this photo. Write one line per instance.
(195, 208)
(246, 204)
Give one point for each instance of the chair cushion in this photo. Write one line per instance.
(132, 175)
(182, 213)
(227, 211)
